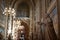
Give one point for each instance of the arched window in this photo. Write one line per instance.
(23, 10)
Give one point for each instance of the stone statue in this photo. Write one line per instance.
(50, 32)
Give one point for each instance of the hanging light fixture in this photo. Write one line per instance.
(9, 11)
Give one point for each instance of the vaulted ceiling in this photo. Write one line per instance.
(12, 3)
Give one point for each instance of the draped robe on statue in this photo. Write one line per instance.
(49, 30)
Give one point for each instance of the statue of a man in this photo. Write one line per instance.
(50, 32)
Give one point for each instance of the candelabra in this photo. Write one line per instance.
(10, 14)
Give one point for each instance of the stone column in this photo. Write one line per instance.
(32, 27)
(43, 17)
(31, 24)
(58, 12)
(38, 17)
